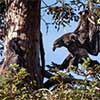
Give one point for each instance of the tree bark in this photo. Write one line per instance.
(22, 37)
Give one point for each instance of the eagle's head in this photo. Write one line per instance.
(64, 41)
(57, 44)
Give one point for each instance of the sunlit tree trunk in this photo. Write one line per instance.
(22, 37)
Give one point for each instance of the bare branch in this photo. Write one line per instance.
(46, 6)
(47, 24)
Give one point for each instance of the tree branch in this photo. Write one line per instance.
(64, 80)
(42, 52)
(46, 6)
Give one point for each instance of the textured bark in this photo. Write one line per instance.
(22, 37)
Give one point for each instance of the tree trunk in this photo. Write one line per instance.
(22, 37)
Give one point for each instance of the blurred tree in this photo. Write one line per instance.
(22, 37)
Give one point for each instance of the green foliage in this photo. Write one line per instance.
(77, 89)
(62, 15)
(15, 85)
(63, 12)
(65, 92)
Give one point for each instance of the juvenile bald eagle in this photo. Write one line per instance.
(77, 52)
(70, 41)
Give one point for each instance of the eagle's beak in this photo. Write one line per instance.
(55, 46)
